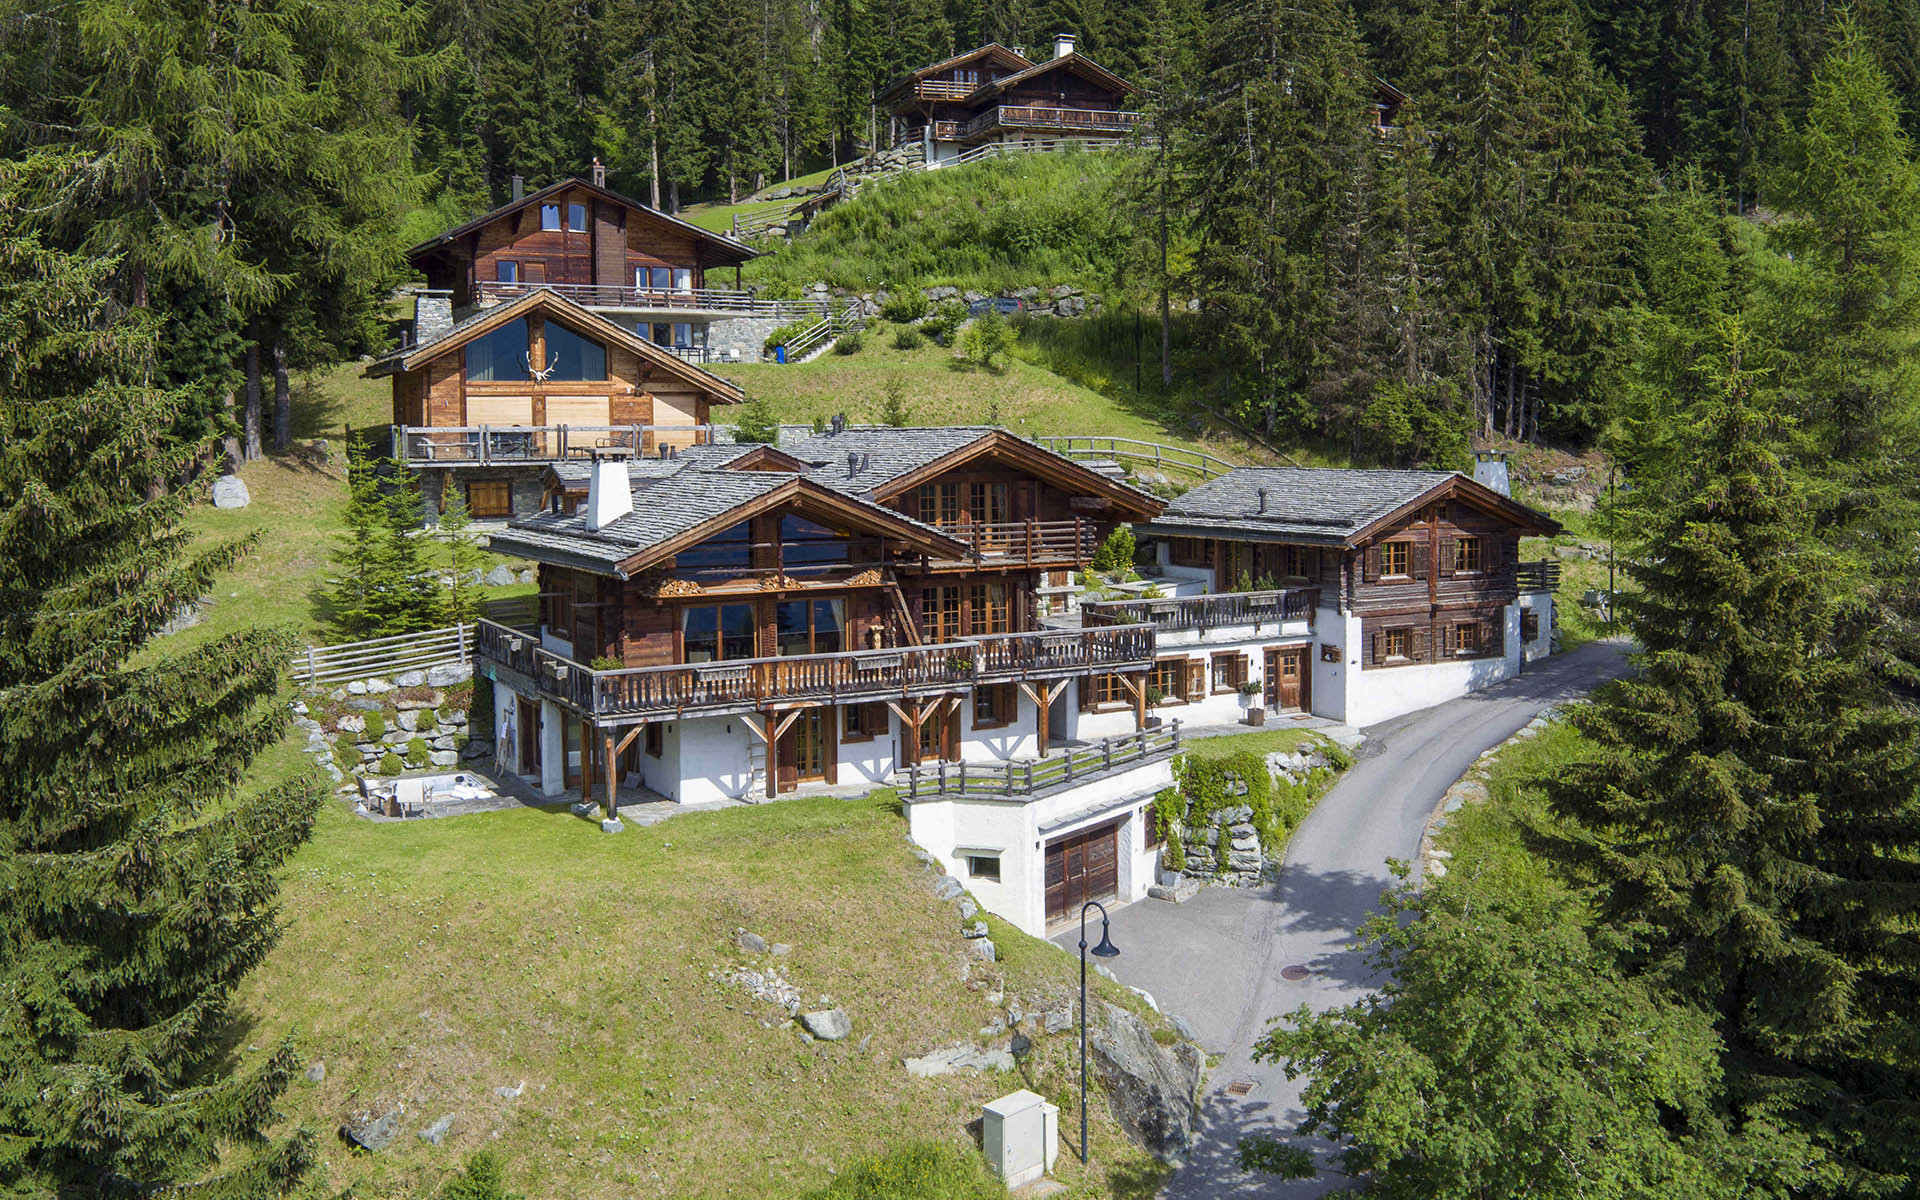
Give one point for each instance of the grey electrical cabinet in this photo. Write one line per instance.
(1021, 1136)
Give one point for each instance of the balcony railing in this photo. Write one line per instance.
(1224, 610)
(852, 677)
(1028, 779)
(1063, 542)
(1541, 575)
(944, 89)
(1014, 116)
(599, 295)
(1062, 651)
(486, 445)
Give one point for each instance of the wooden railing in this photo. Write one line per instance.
(1029, 778)
(488, 444)
(1541, 575)
(1206, 612)
(1072, 541)
(601, 295)
(1061, 651)
(1178, 458)
(944, 89)
(1016, 116)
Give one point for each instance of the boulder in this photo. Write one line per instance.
(942, 293)
(982, 949)
(511, 1093)
(976, 930)
(351, 723)
(1150, 1087)
(500, 576)
(372, 1132)
(409, 719)
(436, 1133)
(317, 1071)
(751, 942)
(968, 909)
(362, 704)
(1182, 1027)
(780, 950)
(230, 491)
(443, 758)
(357, 688)
(473, 750)
(187, 617)
(448, 674)
(948, 888)
(378, 687)
(411, 679)
(612, 825)
(1058, 1021)
(1061, 291)
(1072, 306)
(528, 576)
(961, 1056)
(829, 1024)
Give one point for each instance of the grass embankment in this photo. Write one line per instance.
(429, 964)
(718, 216)
(1578, 623)
(1489, 835)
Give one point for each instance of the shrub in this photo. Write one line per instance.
(390, 764)
(849, 343)
(346, 755)
(908, 304)
(988, 338)
(606, 662)
(947, 316)
(756, 423)
(893, 403)
(484, 1179)
(917, 1171)
(908, 338)
(1116, 553)
(376, 727)
(417, 752)
(786, 333)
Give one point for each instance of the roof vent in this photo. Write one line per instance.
(838, 425)
(609, 488)
(853, 463)
(1263, 499)
(1062, 45)
(599, 172)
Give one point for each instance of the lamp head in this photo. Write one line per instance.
(1106, 948)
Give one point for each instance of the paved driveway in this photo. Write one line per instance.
(1216, 960)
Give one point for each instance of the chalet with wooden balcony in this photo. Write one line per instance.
(663, 279)
(1354, 594)
(485, 405)
(996, 94)
(744, 620)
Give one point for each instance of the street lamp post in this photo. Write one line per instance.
(1106, 949)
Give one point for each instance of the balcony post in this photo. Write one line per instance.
(773, 751)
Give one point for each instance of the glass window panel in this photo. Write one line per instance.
(790, 624)
(577, 217)
(549, 216)
(736, 630)
(829, 621)
(807, 543)
(727, 548)
(573, 356)
(506, 271)
(662, 278)
(683, 279)
(683, 334)
(700, 631)
(500, 355)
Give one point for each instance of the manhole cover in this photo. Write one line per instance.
(1294, 972)
(1241, 1087)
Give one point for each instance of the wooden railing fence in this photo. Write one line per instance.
(384, 656)
(1027, 778)
(1163, 456)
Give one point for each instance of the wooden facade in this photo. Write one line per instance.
(995, 94)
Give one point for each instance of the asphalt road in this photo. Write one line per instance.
(1216, 960)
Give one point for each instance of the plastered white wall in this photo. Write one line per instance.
(1382, 693)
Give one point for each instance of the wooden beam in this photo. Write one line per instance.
(628, 740)
(747, 720)
(773, 754)
(613, 777)
(786, 723)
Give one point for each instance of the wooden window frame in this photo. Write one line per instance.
(1237, 670)
(987, 612)
(1529, 624)
(1404, 652)
(586, 217)
(1178, 667)
(1189, 552)
(1000, 702)
(558, 613)
(1468, 555)
(940, 614)
(1105, 692)
(490, 512)
(506, 270)
(869, 722)
(557, 217)
(1150, 838)
(1389, 551)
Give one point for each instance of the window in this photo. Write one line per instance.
(987, 608)
(810, 626)
(660, 333)
(577, 217)
(992, 705)
(655, 742)
(683, 334)
(1465, 638)
(1396, 558)
(808, 545)
(499, 356)
(549, 216)
(490, 498)
(987, 503)
(1229, 672)
(1396, 643)
(940, 613)
(717, 632)
(506, 271)
(683, 279)
(1466, 554)
(559, 598)
(572, 356)
(1169, 678)
(984, 866)
(1107, 690)
(728, 549)
(1529, 624)
(1150, 827)
(940, 504)
(660, 278)
(862, 722)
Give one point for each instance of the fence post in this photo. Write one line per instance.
(310, 666)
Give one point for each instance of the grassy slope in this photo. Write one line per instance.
(719, 217)
(429, 964)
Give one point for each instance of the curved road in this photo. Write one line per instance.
(1216, 960)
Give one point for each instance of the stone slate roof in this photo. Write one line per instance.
(577, 472)
(890, 453)
(1323, 504)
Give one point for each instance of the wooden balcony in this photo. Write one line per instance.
(943, 89)
(1074, 120)
(1028, 780)
(510, 445)
(1541, 575)
(1039, 543)
(1007, 656)
(690, 300)
(1202, 613)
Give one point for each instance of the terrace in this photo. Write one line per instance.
(1025, 780)
(513, 445)
(1075, 120)
(1203, 613)
(728, 302)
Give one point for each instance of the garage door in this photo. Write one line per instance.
(1082, 867)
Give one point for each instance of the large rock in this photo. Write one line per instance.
(1150, 1087)
(436, 1133)
(500, 576)
(372, 1132)
(948, 888)
(448, 674)
(230, 491)
(828, 1024)
(409, 719)
(410, 678)
(351, 723)
(443, 758)
(961, 1056)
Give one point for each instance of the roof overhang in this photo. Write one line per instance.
(1459, 487)
(994, 50)
(1132, 505)
(718, 249)
(1076, 62)
(1198, 528)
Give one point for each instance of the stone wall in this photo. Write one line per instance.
(1247, 863)
(527, 488)
(747, 336)
(352, 728)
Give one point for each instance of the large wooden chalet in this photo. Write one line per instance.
(996, 94)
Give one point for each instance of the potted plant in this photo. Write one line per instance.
(1250, 699)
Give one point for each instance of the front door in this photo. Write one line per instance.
(1082, 867)
(803, 750)
(938, 733)
(1287, 679)
(528, 717)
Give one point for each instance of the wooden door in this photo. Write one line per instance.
(1287, 679)
(803, 750)
(529, 721)
(1082, 867)
(939, 735)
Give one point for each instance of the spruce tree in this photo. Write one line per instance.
(1749, 822)
(137, 869)
(357, 550)
(405, 597)
(461, 603)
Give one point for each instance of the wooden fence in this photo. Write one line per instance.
(1022, 780)
(389, 656)
(1161, 455)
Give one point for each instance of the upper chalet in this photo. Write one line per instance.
(996, 94)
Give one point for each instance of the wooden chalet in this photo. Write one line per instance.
(995, 94)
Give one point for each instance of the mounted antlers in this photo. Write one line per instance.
(539, 375)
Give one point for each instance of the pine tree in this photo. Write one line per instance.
(139, 876)
(464, 556)
(404, 597)
(357, 551)
(1750, 821)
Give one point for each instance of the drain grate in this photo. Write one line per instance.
(1294, 972)
(1241, 1088)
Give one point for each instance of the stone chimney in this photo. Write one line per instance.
(609, 488)
(432, 315)
(1263, 499)
(599, 172)
(1490, 469)
(1062, 45)
(519, 188)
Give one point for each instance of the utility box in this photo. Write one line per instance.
(1021, 1136)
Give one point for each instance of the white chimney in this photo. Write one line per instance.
(609, 488)
(1062, 45)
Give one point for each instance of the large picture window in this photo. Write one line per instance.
(717, 632)
(811, 626)
(940, 613)
(728, 548)
(573, 356)
(808, 545)
(499, 356)
(988, 608)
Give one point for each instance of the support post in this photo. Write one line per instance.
(613, 777)
(773, 754)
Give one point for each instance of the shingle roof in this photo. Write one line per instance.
(888, 453)
(1328, 504)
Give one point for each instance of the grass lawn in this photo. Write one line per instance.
(1490, 835)
(1578, 624)
(1259, 741)
(430, 963)
(719, 217)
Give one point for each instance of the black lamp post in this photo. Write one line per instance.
(1106, 949)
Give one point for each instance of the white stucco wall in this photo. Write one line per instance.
(1542, 603)
(553, 750)
(1382, 693)
(1019, 738)
(871, 761)
(1340, 630)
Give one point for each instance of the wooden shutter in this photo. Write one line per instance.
(1417, 644)
(1419, 562)
(1490, 553)
(1370, 566)
(1447, 642)
(1447, 553)
(1373, 650)
(1196, 679)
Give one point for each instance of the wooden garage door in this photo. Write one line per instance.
(1082, 867)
